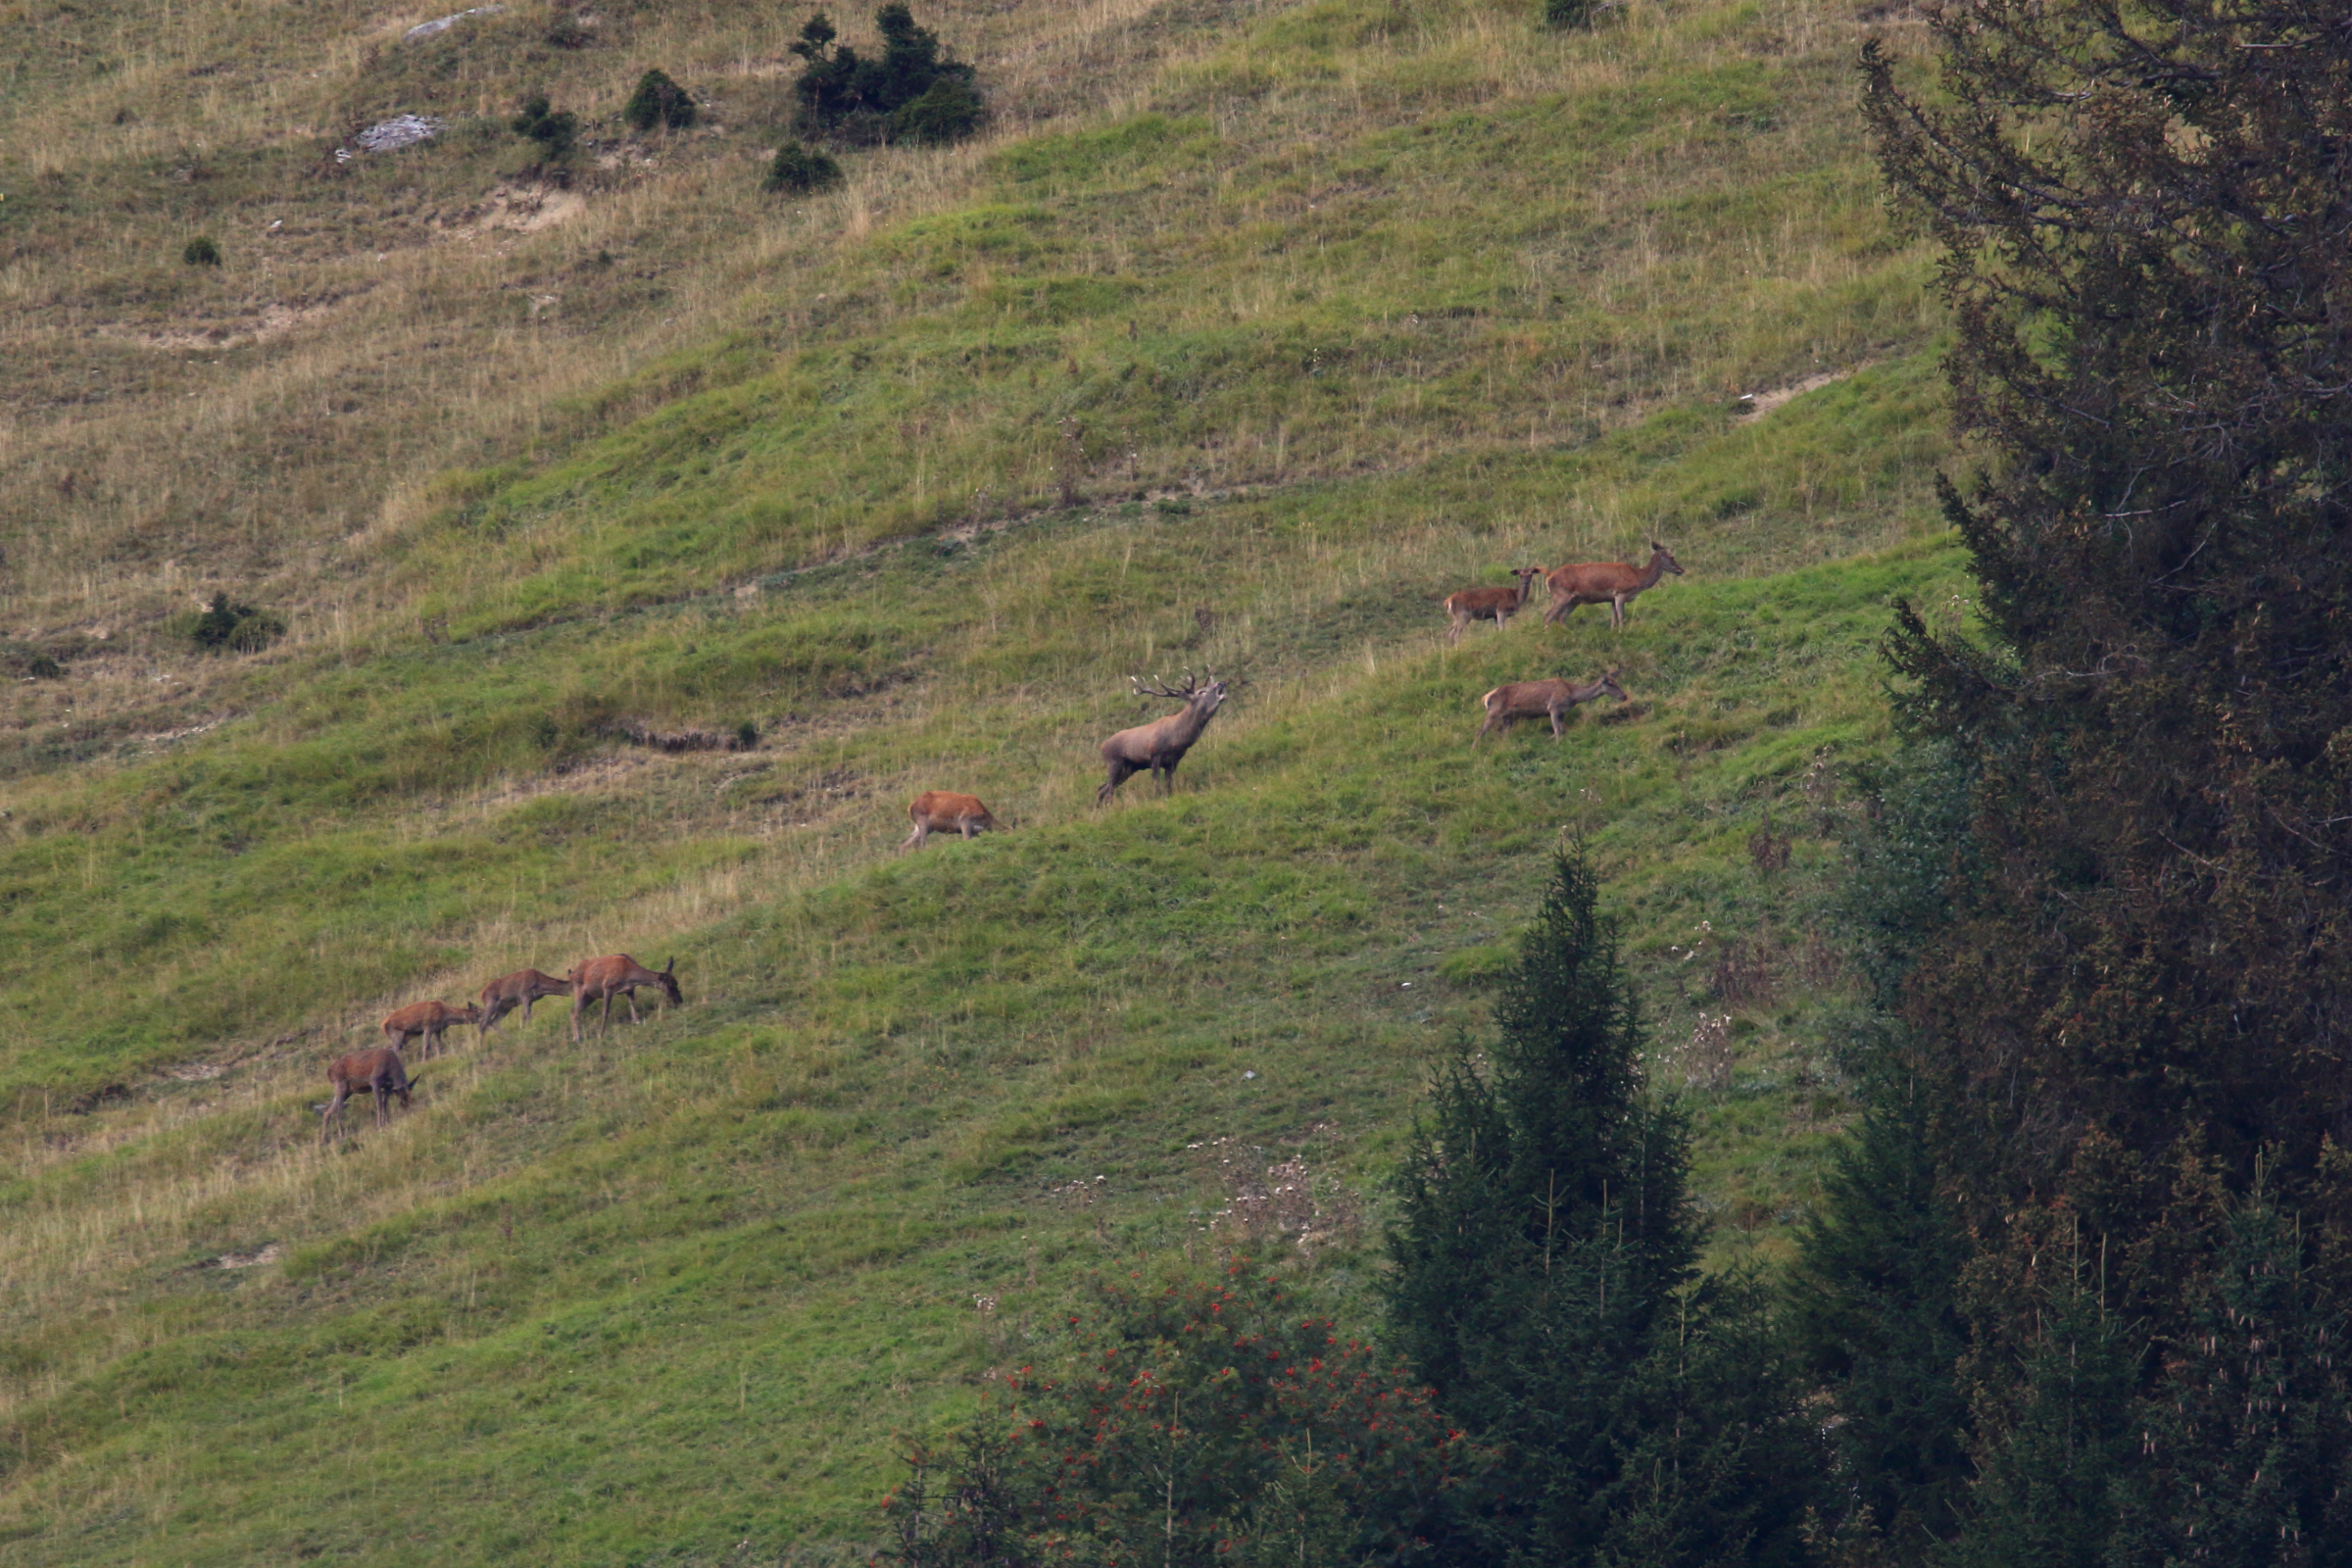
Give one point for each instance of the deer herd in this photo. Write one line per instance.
(1154, 747)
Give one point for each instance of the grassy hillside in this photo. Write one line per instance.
(1292, 319)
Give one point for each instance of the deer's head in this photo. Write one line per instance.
(669, 983)
(1660, 556)
(1203, 694)
(1608, 680)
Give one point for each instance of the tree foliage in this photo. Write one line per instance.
(1546, 1283)
(1207, 1421)
(914, 90)
(658, 101)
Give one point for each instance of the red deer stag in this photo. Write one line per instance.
(1477, 604)
(603, 979)
(1607, 582)
(1161, 744)
(520, 988)
(1541, 699)
(945, 811)
(379, 1071)
(430, 1020)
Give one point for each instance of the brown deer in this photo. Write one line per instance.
(602, 979)
(1477, 604)
(380, 1071)
(520, 988)
(430, 1020)
(1541, 699)
(1161, 744)
(945, 811)
(1607, 582)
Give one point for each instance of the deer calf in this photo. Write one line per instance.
(1161, 744)
(520, 988)
(1477, 604)
(942, 811)
(380, 1071)
(602, 979)
(1541, 699)
(1607, 582)
(430, 1020)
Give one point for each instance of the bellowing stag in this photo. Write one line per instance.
(1161, 744)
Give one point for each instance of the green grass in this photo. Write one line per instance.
(1329, 312)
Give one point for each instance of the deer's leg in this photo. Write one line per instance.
(383, 1113)
(334, 1112)
(1453, 633)
(579, 1000)
(605, 1027)
(916, 839)
(1559, 711)
(966, 827)
(1118, 777)
(631, 995)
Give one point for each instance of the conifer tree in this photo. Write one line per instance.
(1545, 1285)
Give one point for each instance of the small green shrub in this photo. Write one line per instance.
(801, 167)
(1565, 14)
(556, 131)
(659, 101)
(1477, 966)
(565, 31)
(914, 91)
(949, 109)
(201, 250)
(27, 662)
(228, 627)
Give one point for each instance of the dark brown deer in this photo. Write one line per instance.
(430, 1020)
(1607, 582)
(1161, 744)
(945, 811)
(380, 1071)
(603, 979)
(520, 988)
(1477, 604)
(1541, 699)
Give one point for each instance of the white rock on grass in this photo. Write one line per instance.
(401, 131)
(426, 29)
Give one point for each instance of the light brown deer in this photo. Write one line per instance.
(602, 979)
(1541, 699)
(380, 1071)
(945, 811)
(1477, 604)
(1607, 582)
(1161, 744)
(430, 1020)
(520, 988)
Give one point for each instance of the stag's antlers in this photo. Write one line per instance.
(1188, 691)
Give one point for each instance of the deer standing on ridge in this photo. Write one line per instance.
(1541, 699)
(520, 988)
(380, 1071)
(602, 979)
(945, 811)
(1607, 582)
(1161, 744)
(430, 1020)
(1477, 604)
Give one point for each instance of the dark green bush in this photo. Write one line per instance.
(553, 129)
(25, 660)
(916, 91)
(228, 627)
(1569, 13)
(801, 167)
(658, 101)
(201, 252)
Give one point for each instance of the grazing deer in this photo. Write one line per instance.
(1541, 699)
(380, 1071)
(1607, 582)
(1477, 604)
(942, 811)
(602, 979)
(430, 1020)
(520, 988)
(1161, 744)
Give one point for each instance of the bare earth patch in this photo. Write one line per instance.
(1756, 404)
(515, 210)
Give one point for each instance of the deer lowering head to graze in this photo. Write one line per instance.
(1607, 582)
(430, 1020)
(1541, 699)
(1161, 744)
(945, 811)
(520, 988)
(603, 979)
(1477, 604)
(379, 1070)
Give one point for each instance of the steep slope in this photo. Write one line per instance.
(1335, 309)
